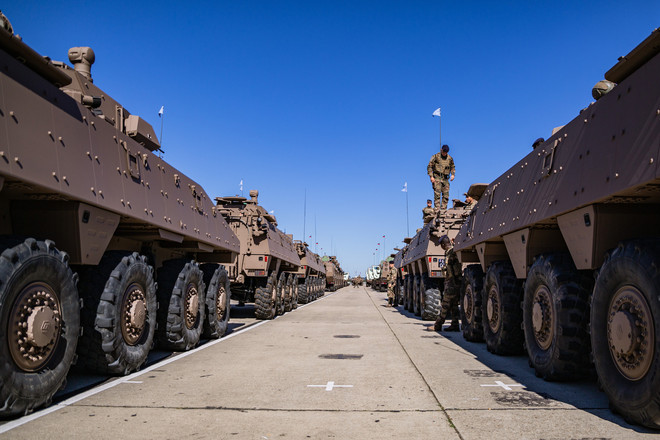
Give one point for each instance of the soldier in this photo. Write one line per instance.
(453, 280)
(441, 170)
(469, 203)
(391, 282)
(428, 213)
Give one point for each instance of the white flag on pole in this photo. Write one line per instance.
(437, 112)
(161, 111)
(405, 187)
(241, 184)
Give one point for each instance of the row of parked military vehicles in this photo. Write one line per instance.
(105, 248)
(561, 254)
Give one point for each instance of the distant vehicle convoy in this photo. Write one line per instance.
(105, 248)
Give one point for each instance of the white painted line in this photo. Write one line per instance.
(329, 386)
(132, 381)
(499, 383)
(126, 379)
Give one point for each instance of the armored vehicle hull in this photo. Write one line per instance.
(424, 259)
(265, 271)
(571, 233)
(90, 216)
(310, 275)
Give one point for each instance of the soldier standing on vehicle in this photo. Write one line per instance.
(391, 282)
(428, 213)
(441, 170)
(453, 280)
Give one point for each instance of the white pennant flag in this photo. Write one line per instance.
(241, 184)
(405, 187)
(161, 111)
(437, 112)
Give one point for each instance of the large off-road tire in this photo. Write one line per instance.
(407, 293)
(181, 291)
(39, 324)
(218, 301)
(304, 292)
(431, 300)
(281, 288)
(501, 311)
(288, 292)
(417, 309)
(625, 330)
(294, 291)
(119, 313)
(265, 299)
(471, 296)
(556, 318)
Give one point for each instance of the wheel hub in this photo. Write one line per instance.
(34, 326)
(220, 303)
(493, 309)
(631, 332)
(134, 314)
(192, 306)
(542, 317)
(468, 303)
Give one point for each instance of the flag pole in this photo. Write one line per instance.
(161, 115)
(437, 113)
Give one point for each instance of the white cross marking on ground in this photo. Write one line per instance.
(330, 385)
(499, 383)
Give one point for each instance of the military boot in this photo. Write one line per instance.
(454, 327)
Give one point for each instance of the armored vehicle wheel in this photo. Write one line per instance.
(407, 303)
(119, 313)
(218, 302)
(625, 330)
(181, 302)
(288, 292)
(294, 291)
(302, 292)
(431, 300)
(281, 287)
(471, 295)
(417, 310)
(265, 299)
(39, 324)
(555, 318)
(501, 311)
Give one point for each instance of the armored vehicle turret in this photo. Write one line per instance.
(310, 275)
(424, 260)
(90, 216)
(266, 268)
(571, 233)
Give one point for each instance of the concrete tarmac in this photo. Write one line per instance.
(343, 367)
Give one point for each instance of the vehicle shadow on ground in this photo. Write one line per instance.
(583, 394)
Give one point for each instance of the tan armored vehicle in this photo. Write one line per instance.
(310, 275)
(380, 283)
(571, 232)
(357, 281)
(265, 271)
(334, 277)
(424, 260)
(90, 216)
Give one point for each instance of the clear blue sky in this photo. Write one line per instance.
(335, 97)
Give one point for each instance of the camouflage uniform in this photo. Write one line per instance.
(440, 168)
(452, 290)
(428, 214)
(391, 282)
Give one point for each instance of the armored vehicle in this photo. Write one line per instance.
(380, 283)
(99, 234)
(311, 274)
(571, 233)
(357, 281)
(400, 273)
(265, 271)
(334, 277)
(424, 260)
